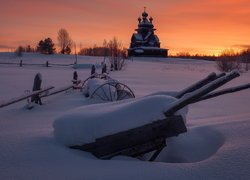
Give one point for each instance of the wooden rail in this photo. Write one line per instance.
(56, 91)
(17, 99)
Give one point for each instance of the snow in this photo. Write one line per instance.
(216, 146)
(138, 36)
(84, 124)
(139, 51)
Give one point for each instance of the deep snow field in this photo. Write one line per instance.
(216, 146)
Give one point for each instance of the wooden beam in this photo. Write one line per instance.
(56, 91)
(199, 93)
(197, 85)
(223, 92)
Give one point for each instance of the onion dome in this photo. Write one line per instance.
(151, 19)
(139, 19)
(144, 14)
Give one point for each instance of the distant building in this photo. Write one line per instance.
(145, 42)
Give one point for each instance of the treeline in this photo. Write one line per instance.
(47, 46)
(228, 60)
(107, 49)
(113, 47)
(187, 55)
(228, 53)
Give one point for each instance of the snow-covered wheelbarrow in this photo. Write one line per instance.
(136, 126)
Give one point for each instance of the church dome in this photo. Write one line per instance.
(144, 14)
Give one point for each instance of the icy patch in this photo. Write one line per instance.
(196, 145)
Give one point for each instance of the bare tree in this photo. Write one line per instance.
(65, 41)
(116, 54)
(245, 56)
(228, 61)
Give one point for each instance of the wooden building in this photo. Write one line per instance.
(145, 42)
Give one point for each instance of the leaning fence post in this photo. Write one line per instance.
(36, 87)
(21, 63)
(93, 69)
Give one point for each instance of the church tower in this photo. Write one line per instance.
(144, 42)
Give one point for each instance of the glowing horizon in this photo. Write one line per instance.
(197, 27)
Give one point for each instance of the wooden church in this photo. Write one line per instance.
(144, 42)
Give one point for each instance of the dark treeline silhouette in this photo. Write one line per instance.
(229, 60)
(228, 53)
(100, 51)
(196, 56)
(45, 46)
(94, 51)
(111, 48)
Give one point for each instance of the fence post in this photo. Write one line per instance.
(93, 69)
(36, 87)
(75, 77)
(104, 69)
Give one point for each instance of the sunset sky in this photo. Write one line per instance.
(195, 26)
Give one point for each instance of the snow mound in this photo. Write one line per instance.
(194, 146)
(85, 124)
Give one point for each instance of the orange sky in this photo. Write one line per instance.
(195, 26)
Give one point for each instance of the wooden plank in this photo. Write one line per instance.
(20, 98)
(136, 137)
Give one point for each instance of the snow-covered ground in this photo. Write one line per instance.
(216, 146)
